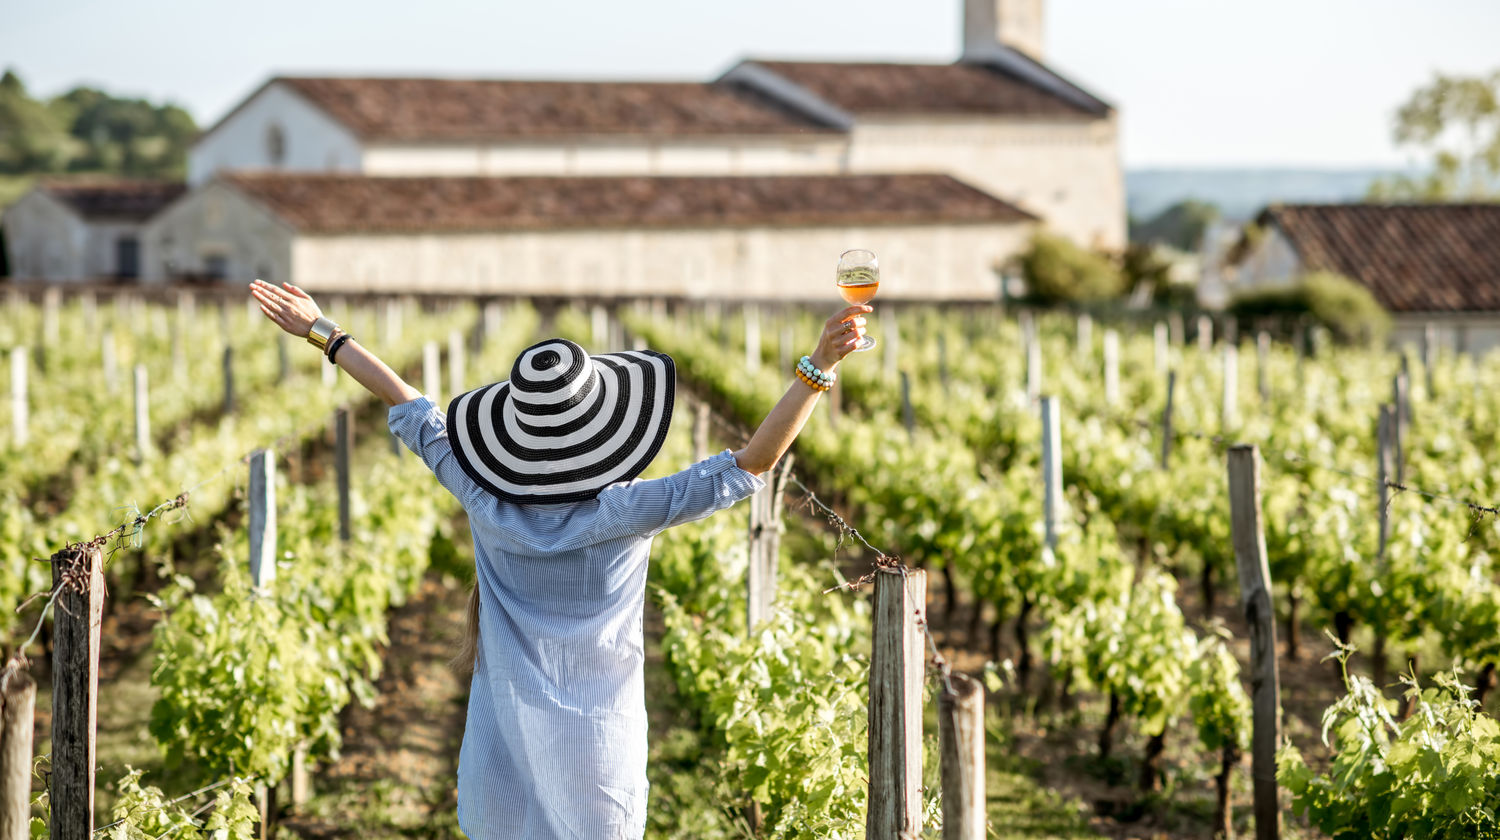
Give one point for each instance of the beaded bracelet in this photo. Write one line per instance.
(813, 376)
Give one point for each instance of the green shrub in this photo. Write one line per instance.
(1345, 307)
(1057, 271)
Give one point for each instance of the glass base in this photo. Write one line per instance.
(866, 343)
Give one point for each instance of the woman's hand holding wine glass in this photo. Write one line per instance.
(841, 336)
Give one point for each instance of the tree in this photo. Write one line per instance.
(1180, 226)
(32, 138)
(1455, 119)
(1057, 271)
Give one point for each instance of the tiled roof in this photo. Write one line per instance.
(962, 88)
(331, 204)
(394, 109)
(1413, 257)
(123, 199)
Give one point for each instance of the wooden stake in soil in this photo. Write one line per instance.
(1111, 367)
(1429, 359)
(142, 415)
(1255, 596)
(1229, 412)
(961, 740)
(1166, 421)
(1161, 349)
(765, 544)
(897, 663)
(108, 362)
(20, 402)
(1263, 364)
(342, 444)
(1387, 441)
(1401, 402)
(228, 366)
(1051, 471)
(262, 518)
(942, 348)
(78, 573)
(908, 415)
(1085, 336)
(1205, 334)
(18, 694)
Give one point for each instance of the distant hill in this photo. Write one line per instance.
(1240, 193)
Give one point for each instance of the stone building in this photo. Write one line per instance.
(72, 230)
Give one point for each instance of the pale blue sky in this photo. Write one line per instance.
(1198, 82)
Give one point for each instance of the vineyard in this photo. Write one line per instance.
(1023, 576)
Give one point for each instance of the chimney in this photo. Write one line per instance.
(1015, 23)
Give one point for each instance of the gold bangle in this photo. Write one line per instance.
(320, 332)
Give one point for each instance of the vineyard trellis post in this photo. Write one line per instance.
(228, 366)
(1085, 336)
(342, 444)
(1205, 334)
(51, 324)
(1401, 402)
(142, 415)
(20, 400)
(1263, 364)
(752, 338)
(262, 518)
(78, 577)
(1051, 471)
(108, 362)
(897, 666)
(1388, 453)
(1176, 329)
(908, 415)
(1255, 598)
(1160, 349)
(961, 742)
(942, 348)
(17, 724)
(1429, 358)
(1166, 420)
(1229, 412)
(1111, 367)
(432, 381)
(599, 328)
(765, 544)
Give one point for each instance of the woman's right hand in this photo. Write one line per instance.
(290, 308)
(840, 333)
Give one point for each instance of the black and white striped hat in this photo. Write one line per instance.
(566, 424)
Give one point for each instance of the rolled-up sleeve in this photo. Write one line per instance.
(646, 508)
(423, 427)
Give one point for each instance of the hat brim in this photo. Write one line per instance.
(569, 457)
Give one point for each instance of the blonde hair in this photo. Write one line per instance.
(468, 649)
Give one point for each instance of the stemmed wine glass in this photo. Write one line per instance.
(859, 280)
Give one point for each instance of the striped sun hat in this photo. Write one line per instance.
(566, 424)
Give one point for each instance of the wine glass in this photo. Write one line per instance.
(859, 280)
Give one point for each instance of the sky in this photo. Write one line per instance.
(1197, 82)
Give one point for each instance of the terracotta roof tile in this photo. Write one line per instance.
(887, 88)
(122, 199)
(1413, 257)
(331, 204)
(468, 109)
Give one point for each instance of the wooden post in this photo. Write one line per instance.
(1229, 413)
(897, 663)
(1255, 596)
(700, 432)
(752, 338)
(1263, 365)
(961, 741)
(1175, 328)
(1166, 420)
(765, 545)
(228, 373)
(1051, 471)
(300, 783)
(75, 688)
(599, 322)
(107, 361)
(51, 326)
(1429, 358)
(1111, 368)
(942, 348)
(1205, 334)
(262, 518)
(1401, 418)
(1162, 351)
(908, 415)
(142, 415)
(17, 724)
(1085, 336)
(432, 375)
(20, 402)
(342, 444)
(456, 373)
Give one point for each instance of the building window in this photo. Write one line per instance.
(127, 257)
(275, 145)
(216, 266)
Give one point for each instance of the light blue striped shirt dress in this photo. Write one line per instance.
(555, 744)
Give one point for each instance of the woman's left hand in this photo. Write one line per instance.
(840, 333)
(289, 308)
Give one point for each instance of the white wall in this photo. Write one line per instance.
(45, 239)
(314, 142)
(1067, 171)
(1270, 264)
(612, 156)
(214, 219)
(917, 262)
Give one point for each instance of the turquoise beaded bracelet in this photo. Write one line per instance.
(824, 378)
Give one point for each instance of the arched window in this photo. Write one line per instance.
(275, 145)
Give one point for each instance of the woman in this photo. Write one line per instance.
(545, 464)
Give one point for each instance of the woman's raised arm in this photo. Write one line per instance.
(775, 434)
(294, 311)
